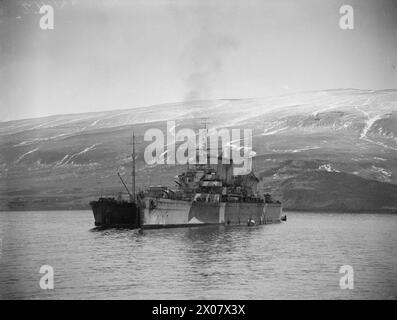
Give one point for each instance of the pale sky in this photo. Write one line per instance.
(115, 54)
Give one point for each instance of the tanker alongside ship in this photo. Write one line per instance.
(205, 194)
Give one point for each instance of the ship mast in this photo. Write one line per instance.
(207, 143)
(133, 168)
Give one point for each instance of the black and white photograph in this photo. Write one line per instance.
(198, 150)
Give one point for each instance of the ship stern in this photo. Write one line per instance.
(273, 212)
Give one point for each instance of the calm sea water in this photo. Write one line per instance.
(294, 260)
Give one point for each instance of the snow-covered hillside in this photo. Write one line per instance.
(65, 160)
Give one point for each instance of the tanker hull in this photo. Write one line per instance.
(109, 213)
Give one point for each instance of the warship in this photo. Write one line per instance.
(204, 194)
(209, 195)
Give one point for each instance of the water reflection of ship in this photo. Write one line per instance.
(205, 194)
(222, 243)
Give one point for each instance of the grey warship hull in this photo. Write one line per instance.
(168, 213)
